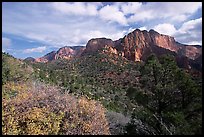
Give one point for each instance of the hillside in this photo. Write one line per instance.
(143, 84)
(129, 88)
(31, 107)
(102, 68)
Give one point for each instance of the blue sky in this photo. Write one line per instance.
(34, 29)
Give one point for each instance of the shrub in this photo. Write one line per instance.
(42, 109)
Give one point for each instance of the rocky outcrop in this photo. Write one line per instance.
(63, 53)
(48, 57)
(138, 45)
(135, 46)
(109, 50)
(163, 41)
(94, 45)
(192, 51)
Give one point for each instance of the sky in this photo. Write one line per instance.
(33, 29)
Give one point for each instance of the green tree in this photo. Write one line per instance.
(171, 93)
(153, 80)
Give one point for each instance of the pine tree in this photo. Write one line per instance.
(172, 98)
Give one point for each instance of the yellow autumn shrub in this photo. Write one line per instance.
(85, 118)
(40, 121)
(37, 121)
(39, 109)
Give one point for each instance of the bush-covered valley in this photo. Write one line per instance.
(100, 94)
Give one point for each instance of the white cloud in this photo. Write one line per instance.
(6, 42)
(194, 43)
(112, 13)
(77, 8)
(191, 25)
(38, 49)
(179, 18)
(143, 28)
(130, 7)
(165, 28)
(142, 16)
(190, 32)
(173, 11)
(59, 29)
(130, 30)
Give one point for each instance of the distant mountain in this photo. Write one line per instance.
(48, 57)
(29, 59)
(69, 52)
(66, 52)
(135, 46)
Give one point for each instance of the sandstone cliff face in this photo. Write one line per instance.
(135, 46)
(164, 41)
(64, 52)
(192, 52)
(138, 45)
(95, 44)
(110, 50)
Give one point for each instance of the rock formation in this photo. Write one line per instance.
(64, 52)
(135, 46)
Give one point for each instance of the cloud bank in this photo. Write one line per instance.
(38, 49)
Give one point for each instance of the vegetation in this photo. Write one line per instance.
(103, 81)
(172, 100)
(100, 94)
(42, 109)
(35, 108)
(14, 70)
